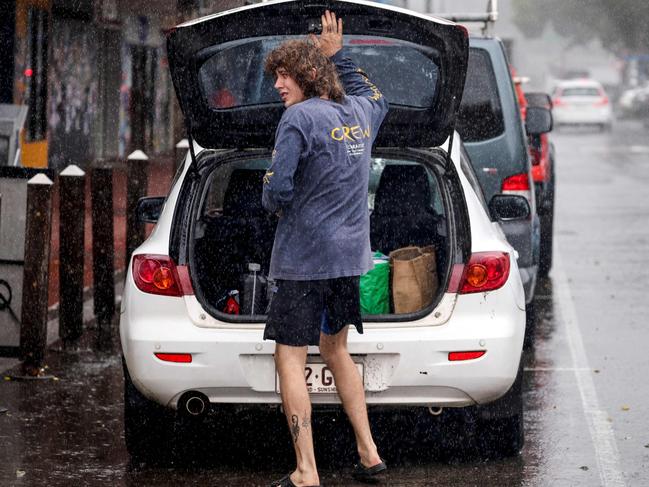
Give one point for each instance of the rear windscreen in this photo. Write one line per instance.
(580, 91)
(232, 75)
(480, 116)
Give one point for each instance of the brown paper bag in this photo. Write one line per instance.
(414, 278)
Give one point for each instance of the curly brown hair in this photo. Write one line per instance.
(298, 58)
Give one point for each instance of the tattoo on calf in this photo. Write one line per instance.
(295, 427)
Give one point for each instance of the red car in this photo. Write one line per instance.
(542, 157)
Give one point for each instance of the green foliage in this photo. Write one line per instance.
(621, 25)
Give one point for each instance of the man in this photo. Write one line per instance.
(317, 184)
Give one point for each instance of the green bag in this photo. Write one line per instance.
(375, 287)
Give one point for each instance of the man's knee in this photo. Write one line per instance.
(286, 355)
(331, 349)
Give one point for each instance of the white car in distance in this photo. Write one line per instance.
(185, 351)
(581, 102)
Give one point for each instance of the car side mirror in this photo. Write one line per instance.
(538, 120)
(148, 209)
(538, 99)
(506, 207)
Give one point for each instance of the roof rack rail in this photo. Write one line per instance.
(488, 18)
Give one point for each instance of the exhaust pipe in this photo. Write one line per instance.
(194, 405)
(435, 411)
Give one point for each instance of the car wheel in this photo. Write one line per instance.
(546, 218)
(547, 233)
(148, 427)
(502, 437)
(500, 425)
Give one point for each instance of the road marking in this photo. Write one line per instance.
(601, 431)
(554, 369)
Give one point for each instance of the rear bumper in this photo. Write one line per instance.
(582, 115)
(403, 365)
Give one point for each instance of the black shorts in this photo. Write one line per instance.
(300, 310)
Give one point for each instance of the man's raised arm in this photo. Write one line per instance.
(354, 80)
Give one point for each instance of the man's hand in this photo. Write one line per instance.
(331, 39)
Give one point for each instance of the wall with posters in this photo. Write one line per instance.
(73, 93)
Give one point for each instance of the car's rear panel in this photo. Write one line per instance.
(404, 363)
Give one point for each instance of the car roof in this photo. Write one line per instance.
(573, 83)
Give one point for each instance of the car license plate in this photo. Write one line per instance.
(319, 379)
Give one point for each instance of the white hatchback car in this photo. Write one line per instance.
(189, 347)
(581, 102)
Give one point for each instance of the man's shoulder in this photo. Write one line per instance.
(309, 110)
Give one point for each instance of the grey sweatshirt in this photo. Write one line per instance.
(318, 181)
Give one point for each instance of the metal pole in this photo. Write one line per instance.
(136, 187)
(103, 247)
(72, 191)
(33, 330)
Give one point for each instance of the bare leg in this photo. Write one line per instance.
(290, 363)
(333, 349)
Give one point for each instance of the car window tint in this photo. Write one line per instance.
(480, 116)
(232, 75)
(580, 91)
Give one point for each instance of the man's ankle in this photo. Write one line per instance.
(369, 457)
(305, 477)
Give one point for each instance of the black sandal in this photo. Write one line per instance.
(286, 482)
(369, 475)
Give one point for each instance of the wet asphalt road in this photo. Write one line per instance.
(586, 390)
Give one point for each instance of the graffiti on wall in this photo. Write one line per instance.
(73, 93)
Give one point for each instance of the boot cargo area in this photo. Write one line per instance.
(232, 239)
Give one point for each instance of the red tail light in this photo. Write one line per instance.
(179, 358)
(517, 182)
(485, 271)
(158, 274)
(602, 102)
(456, 356)
(557, 102)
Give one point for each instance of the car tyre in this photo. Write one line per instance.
(547, 234)
(148, 427)
(546, 217)
(503, 437)
(530, 325)
(500, 425)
